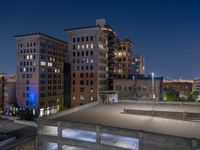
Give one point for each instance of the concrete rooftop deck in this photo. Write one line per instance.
(111, 115)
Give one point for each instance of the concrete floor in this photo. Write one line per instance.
(111, 115)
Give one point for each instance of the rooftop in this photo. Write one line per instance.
(78, 28)
(111, 115)
(39, 33)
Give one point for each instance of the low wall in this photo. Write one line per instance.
(164, 114)
(159, 102)
(24, 122)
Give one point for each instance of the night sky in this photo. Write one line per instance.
(165, 32)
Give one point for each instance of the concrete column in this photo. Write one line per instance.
(59, 135)
(194, 144)
(98, 138)
(140, 136)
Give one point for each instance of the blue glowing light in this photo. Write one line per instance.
(32, 97)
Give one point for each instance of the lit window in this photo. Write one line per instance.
(34, 63)
(78, 46)
(120, 54)
(91, 98)
(50, 58)
(87, 60)
(124, 53)
(27, 56)
(91, 60)
(82, 47)
(74, 98)
(31, 56)
(58, 70)
(87, 46)
(24, 69)
(43, 63)
(81, 97)
(92, 46)
(54, 59)
(91, 90)
(50, 64)
(55, 70)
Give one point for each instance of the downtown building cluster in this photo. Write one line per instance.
(53, 74)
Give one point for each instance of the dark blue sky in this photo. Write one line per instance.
(165, 32)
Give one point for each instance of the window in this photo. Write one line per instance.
(91, 75)
(81, 75)
(42, 63)
(81, 82)
(81, 89)
(73, 82)
(91, 67)
(82, 46)
(74, 47)
(81, 97)
(74, 98)
(78, 46)
(82, 53)
(78, 39)
(92, 46)
(91, 60)
(86, 53)
(74, 39)
(74, 54)
(91, 38)
(82, 39)
(91, 53)
(74, 74)
(87, 38)
(91, 82)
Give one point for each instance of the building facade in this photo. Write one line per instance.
(139, 89)
(2, 84)
(182, 87)
(40, 72)
(196, 85)
(138, 65)
(10, 91)
(123, 55)
(88, 56)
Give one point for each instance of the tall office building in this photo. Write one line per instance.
(40, 72)
(196, 85)
(88, 56)
(123, 54)
(138, 65)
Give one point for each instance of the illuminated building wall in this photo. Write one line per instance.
(89, 65)
(138, 65)
(40, 72)
(123, 54)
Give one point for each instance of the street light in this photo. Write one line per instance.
(153, 94)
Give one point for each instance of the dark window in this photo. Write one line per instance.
(81, 89)
(86, 75)
(78, 53)
(91, 82)
(86, 53)
(82, 39)
(74, 74)
(74, 47)
(91, 75)
(74, 82)
(82, 53)
(74, 39)
(87, 38)
(81, 82)
(91, 67)
(74, 54)
(91, 53)
(78, 39)
(91, 38)
(81, 75)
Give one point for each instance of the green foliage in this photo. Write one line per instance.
(26, 114)
(193, 96)
(171, 96)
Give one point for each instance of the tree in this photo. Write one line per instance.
(171, 96)
(193, 96)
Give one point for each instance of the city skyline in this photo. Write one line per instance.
(166, 33)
